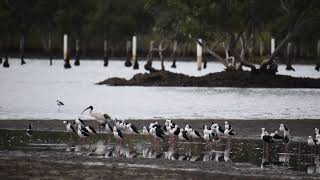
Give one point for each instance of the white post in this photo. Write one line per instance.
(65, 47)
(134, 48)
(199, 54)
(273, 45)
(318, 48)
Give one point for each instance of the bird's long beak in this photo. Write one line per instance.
(85, 110)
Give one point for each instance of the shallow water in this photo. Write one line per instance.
(233, 156)
(31, 91)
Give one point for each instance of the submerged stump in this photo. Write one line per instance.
(128, 62)
(77, 55)
(6, 62)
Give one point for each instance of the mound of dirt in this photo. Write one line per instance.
(219, 79)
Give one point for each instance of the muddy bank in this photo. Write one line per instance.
(219, 79)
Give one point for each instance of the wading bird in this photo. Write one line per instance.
(29, 131)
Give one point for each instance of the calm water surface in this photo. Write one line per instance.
(31, 91)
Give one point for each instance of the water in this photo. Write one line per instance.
(231, 156)
(31, 91)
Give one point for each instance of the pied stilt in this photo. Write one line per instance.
(59, 103)
(286, 136)
(267, 139)
(157, 133)
(69, 128)
(312, 143)
(82, 132)
(145, 130)
(132, 128)
(118, 134)
(184, 137)
(29, 131)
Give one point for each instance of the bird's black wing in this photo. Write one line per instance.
(30, 126)
(110, 127)
(81, 121)
(106, 116)
(184, 134)
(159, 133)
(93, 130)
(73, 129)
(120, 133)
(84, 130)
(177, 132)
(268, 139)
(197, 133)
(61, 103)
(221, 129)
(134, 128)
(277, 136)
(85, 133)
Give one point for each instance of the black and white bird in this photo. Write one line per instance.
(117, 134)
(227, 125)
(229, 132)
(98, 116)
(79, 121)
(219, 130)
(312, 141)
(286, 133)
(69, 127)
(29, 131)
(265, 136)
(183, 135)
(275, 135)
(107, 127)
(145, 130)
(82, 132)
(132, 128)
(59, 103)
(91, 130)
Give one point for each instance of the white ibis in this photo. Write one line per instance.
(29, 131)
(100, 117)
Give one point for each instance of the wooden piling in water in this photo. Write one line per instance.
(173, 55)
(22, 50)
(77, 55)
(134, 53)
(273, 45)
(290, 56)
(6, 59)
(105, 53)
(128, 62)
(261, 48)
(65, 52)
(318, 55)
(49, 51)
(199, 55)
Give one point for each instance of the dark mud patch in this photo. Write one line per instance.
(219, 79)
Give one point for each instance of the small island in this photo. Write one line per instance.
(245, 79)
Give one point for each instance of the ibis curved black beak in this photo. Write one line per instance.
(90, 107)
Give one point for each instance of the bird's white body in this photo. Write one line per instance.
(116, 133)
(311, 141)
(206, 136)
(80, 133)
(145, 130)
(181, 137)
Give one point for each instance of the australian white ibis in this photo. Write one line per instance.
(98, 116)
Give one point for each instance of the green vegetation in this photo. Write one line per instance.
(243, 28)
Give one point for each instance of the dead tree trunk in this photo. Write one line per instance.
(128, 60)
(317, 68)
(290, 57)
(22, 50)
(264, 65)
(105, 53)
(148, 65)
(173, 54)
(77, 55)
(161, 55)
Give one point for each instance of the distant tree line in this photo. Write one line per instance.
(242, 29)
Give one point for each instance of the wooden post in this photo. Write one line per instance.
(199, 55)
(318, 54)
(148, 65)
(128, 62)
(261, 50)
(6, 59)
(0, 52)
(273, 45)
(134, 53)
(77, 55)
(65, 52)
(22, 50)
(173, 55)
(290, 57)
(49, 50)
(105, 53)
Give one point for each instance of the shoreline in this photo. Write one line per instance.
(246, 129)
